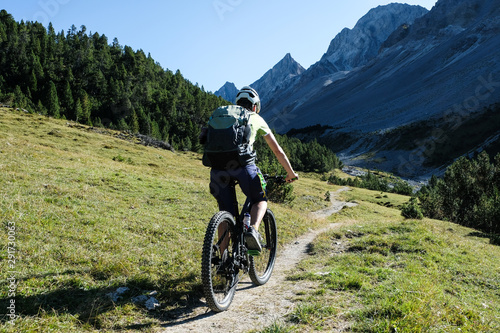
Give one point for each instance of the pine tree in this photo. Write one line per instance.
(53, 101)
(122, 125)
(97, 122)
(19, 98)
(33, 84)
(41, 108)
(86, 109)
(186, 144)
(134, 122)
(3, 33)
(78, 111)
(155, 130)
(68, 102)
(144, 122)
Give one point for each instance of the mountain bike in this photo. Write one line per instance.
(225, 257)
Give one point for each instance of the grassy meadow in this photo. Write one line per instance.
(93, 213)
(84, 213)
(378, 272)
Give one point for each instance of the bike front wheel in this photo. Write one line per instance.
(261, 266)
(218, 273)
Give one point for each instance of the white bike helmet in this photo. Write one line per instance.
(251, 95)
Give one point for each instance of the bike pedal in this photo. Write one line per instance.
(253, 253)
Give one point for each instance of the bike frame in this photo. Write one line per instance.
(239, 249)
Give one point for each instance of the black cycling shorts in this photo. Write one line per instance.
(251, 181)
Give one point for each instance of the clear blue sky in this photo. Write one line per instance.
(209, 41)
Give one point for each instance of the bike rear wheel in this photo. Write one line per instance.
(218, 273)
(261, 266)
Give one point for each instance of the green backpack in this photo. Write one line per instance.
(228, 136)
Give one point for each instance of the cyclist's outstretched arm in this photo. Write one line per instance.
(281, 156)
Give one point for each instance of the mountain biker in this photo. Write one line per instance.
(249, 176)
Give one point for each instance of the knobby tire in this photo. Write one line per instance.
(261, 267)
(217, 273)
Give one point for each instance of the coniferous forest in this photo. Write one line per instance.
(81, 76)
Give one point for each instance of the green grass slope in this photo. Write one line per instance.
(89, 212)
(378, 272)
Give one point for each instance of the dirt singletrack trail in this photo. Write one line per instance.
(258, 307)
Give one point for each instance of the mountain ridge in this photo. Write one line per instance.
(368, 34)
(228, 91)
(280, 74)
(328, 70)
(429, 71)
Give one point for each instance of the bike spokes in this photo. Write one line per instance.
(218, 273)
(261, 266)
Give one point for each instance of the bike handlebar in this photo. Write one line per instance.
(276, 179)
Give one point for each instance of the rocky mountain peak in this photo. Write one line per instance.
(354, 48)
(228, 91)
(449, 17)
(285, 70)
